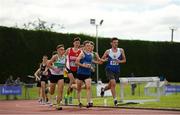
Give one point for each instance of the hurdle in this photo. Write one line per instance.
(128, 80)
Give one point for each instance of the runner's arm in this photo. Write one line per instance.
(123, 60)
(51, 61)
(105, 55)
(36, 74)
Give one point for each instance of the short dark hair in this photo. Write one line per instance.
(54, 52)
(114, 38)
(91, 42)
(85, 42)
(45, 56)
(76, 39)
(60, 45)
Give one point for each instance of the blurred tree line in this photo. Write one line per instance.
(21, 51)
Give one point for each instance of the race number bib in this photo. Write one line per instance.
(72, 64)
(59, 70)
(113, 62)
(87, 65)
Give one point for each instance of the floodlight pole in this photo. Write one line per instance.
(97, 25)
(172, 32)
(97, 66)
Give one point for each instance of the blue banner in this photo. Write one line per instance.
(172, 88)
(10, 90)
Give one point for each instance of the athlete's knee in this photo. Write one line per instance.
(78, 88)
(113, 85)
(71, 81)
(43, 87)
(51, 92)
(88, 87)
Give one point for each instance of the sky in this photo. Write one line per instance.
(150, 20)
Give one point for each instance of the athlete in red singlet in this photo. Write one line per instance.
(71, 67)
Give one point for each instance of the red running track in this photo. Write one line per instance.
(32, 107)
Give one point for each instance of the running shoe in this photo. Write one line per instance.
(40, 100)
(102, 92)
(58, 107)
(80, 105)
(115, 103)
(89, 105)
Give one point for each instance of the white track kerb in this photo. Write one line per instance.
(129, 80)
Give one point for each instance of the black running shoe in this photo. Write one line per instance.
(102, 92)
(47, 100)
(58, 108)
(89, 105)
(80, 105)
(115, 103)
(40, 100)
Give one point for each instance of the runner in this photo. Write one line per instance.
(37, 79)
(43, 73)
(71, 67)
(84, 62)
(57, 68)
(114, 56)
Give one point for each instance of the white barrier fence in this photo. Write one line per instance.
(138, 80)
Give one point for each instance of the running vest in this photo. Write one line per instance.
(112, 65)
(59, 65)
(86, 60)
(42, 68)
(72, 58)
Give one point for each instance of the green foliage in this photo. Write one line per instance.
(40, 25)
(21, 52)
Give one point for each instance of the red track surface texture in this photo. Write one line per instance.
(32, 107)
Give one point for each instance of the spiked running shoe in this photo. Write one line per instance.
(89, 105)
(58, 107)
(80, 105)
(102, 92)
(115, 103)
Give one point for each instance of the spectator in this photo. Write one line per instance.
(133, 85)
(17, 82)
(10, 81)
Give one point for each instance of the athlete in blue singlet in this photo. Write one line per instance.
(84, 62)
(114, 56)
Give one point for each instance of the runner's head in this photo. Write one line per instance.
(81, 46)
(87, 45)
(45, 58)
(54, 52)
(60, 49)
(76, 42)
(114, 42)
(92, 45)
